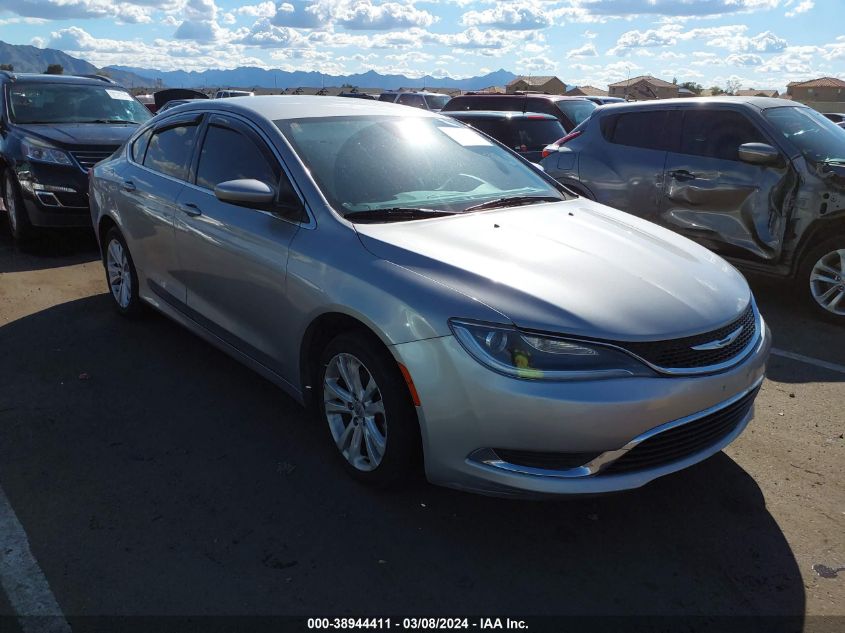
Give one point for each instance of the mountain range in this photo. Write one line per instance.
(30, 59)
(26, 58)
(252, 77)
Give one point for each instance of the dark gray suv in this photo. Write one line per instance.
(760, 181)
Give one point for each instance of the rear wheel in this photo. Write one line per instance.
(19, 223)
(120, 274)
(365, 403)
(822, 279)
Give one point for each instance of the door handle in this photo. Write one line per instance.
(189, 208)
(128, 185)
(682, 174)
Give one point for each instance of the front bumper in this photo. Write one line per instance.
(467, 410)
(54, 195)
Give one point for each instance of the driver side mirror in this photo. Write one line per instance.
(759, 154)
(245, 192)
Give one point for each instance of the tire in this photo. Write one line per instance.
(120, 269)
(382, 449)
(19, 224)
(821, 279)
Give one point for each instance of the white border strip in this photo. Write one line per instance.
(22, 580)
(809, 360)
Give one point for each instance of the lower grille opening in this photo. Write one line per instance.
(545, 461)
(684, 440)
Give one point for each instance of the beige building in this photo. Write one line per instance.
(753, 92)
(533, 83)
(643, 88)
(825, 89)
(586, 91)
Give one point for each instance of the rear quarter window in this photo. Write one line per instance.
(653, 129)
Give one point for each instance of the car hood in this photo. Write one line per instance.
(574, 267)
(81, 134)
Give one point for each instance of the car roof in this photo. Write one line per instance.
(760, 103)
(275, 107)
(499, 114)
(57, 79)
(529, 95)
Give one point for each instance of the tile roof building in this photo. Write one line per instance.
(821, 89)
(643, 87)
(534, 83)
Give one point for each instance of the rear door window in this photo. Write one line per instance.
(653, 129)
(229, 155)
(576, 110)
(717, 133)
(170, 150)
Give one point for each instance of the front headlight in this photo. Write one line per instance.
(44, 153)
(522, 355)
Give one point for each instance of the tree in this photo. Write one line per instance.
(716, 90)
(732, 86)
(692, 86)
(55, 69)
(8, 67)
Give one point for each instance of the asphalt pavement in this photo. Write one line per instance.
(153, 475)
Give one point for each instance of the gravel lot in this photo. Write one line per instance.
(154, 475)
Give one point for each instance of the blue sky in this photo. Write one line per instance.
(757, 43)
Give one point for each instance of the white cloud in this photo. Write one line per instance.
(587, 50)
(510, 15)
(801, 7)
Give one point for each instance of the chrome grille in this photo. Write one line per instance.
(87, 158)
(679, 353)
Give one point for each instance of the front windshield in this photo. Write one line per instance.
(577, 110)
(39, 102)
(365, 163)
(436, 102)
(815, 136)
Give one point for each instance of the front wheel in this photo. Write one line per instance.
(822, 276)
(366, 405)
(120, 274)
(19, 223)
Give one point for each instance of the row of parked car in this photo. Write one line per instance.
(758, 181)
(433, 295)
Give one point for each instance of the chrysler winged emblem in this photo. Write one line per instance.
(722, 342)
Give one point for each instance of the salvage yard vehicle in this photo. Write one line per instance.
(760, 181)
(427, 293)
(229, 94)
(570, 111)
(526, 133)
(53, 130)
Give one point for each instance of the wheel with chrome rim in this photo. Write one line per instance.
(18, 219)
(366, 406)
(823, 272)
(120, 273)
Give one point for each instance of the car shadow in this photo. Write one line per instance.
(49, 249)
(155, 475)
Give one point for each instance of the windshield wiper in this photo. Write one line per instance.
(512, 201)
(396, 214)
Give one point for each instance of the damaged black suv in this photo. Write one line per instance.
(52, 130)
(760, 181)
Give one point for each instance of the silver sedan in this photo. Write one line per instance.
(432, 297)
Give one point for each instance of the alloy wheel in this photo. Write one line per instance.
(355, 412)
(827, 282)
(117, 269)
